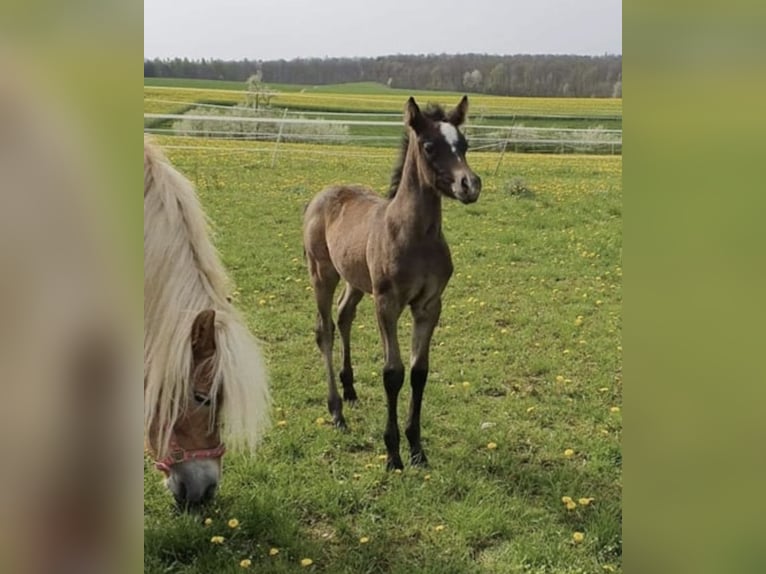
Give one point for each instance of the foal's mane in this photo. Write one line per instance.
(433, 112)
(183, 275)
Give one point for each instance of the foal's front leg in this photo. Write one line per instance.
(388, 309)
(425, 316)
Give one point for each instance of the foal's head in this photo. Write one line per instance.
(192, 463)
(441, 149)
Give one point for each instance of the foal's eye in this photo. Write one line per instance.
(429, 147)
(202, 399)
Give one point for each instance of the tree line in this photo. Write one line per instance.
(519, 75)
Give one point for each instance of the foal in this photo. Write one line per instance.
(394, 249)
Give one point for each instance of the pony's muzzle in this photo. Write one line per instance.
(194, 483)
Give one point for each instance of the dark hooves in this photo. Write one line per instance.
(340, 423)
(349, 396)
(394, 464)
(419, 459)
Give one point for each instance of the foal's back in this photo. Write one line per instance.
(336, 227)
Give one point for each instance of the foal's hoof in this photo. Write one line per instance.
(394, 464)
(419, 459)
(349, 396)
(340, 423)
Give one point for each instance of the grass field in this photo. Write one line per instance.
(161, 95)
(527, 357)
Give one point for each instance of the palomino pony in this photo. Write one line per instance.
(203, 370)
(395, 250)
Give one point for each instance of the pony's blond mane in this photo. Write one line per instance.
(183, 275)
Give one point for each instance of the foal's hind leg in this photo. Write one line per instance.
(346, 313)
(425, 317)
(324, 279)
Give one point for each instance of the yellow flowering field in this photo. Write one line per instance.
(522, 415)
(155, 98)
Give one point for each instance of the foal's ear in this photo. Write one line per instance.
(413, 117)
(203, 335)
(457, 116)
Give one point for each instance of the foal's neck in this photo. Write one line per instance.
(417, 206)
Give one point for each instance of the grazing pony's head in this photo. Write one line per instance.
(204, 377)
(440, 150)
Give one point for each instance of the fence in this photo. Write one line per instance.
(315, 129)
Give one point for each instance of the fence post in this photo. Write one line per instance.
(279, 138)
(500, 160)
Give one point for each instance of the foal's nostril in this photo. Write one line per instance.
(465, 184)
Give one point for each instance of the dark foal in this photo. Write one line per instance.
(395, 250)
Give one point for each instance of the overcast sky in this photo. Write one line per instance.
(273, 29)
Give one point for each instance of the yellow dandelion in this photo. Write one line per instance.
(273, 551)
(603, 389)
(491, 446)
(320, 421)
(233, 523)
(578, 321)
(427, 477)
(282, 423)
(382, 457)
(559, 379)
(566, 499)
(578, 537)
(217, 539)
(439, 527)
(398, 471)
(306, 562)
(571, 505)
(609, 568)
(568, 452)
(585, 501)
(364, 540)
(530, 409)
(356, 475)
(503, 331)
(262, 301)
(466, 384)
(246, 563)
(368, 466)
(208, 521)
(614, 410)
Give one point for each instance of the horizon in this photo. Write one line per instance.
(393, 55)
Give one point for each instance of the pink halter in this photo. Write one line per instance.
(178, 455)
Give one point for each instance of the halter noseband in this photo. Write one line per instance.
(177, 455)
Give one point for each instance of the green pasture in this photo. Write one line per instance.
(170, 95)
(525, 365)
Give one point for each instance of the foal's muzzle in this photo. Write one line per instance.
(467, 188)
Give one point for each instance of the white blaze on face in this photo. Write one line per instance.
(450, 134)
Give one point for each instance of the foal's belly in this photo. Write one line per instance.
(347, 246)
